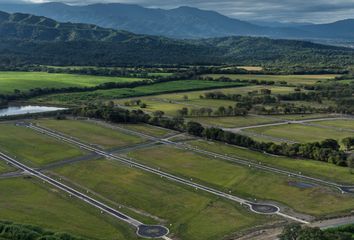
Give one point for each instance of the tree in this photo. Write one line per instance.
(195, 128)
(350, 163)
(348, 142)
(183, 112)
(330, 143)
(291, 232)
(185, 97)
(158, 114)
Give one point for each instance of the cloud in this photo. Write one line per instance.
(270, 10)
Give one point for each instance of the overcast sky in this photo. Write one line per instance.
(279, 10)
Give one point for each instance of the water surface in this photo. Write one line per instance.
(19, 110)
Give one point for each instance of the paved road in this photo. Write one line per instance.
(143, 230)
(254, 207)
(245, 162)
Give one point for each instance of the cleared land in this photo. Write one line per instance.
(290, 79)
(92, 133)
(302, 133)
(34, 148)
(30, 202)
(24, 81)
(308, 167)
(173, 86)
(193, 214)
(244, 181)
(147, 129)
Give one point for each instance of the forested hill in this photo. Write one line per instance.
(29, 39)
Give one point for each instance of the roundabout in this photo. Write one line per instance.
(152, 231)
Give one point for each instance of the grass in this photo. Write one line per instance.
(34, 148)
(243, 181)
(345, 124)
(232, 122)
(4, 168)
(302, 133)
(148, 129)
(192, 215)
(290, 79)
(24, 81)
(295, 117)
(30, 202)
(92, 133)
(308, 167)
(158, 88)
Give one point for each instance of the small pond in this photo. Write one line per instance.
(19, 110)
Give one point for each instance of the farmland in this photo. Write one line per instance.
(173, 86)
(24, 81)
(290, 79)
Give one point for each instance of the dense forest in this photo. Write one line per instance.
(27, 39)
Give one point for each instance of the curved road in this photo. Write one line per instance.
(143, 230)
(254, 207)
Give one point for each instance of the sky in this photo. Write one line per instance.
(317, 11)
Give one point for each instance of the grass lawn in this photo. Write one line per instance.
(308, 167)
(232, 122)
(193, 214)
(302, 133)
(4, 168)
(290, 79)
(25, 81)
(35, 148)
(147, 129)
(92, 133)
(243, 181)
(295, 117)
(31, 202)
(173, 86)
(346, 124)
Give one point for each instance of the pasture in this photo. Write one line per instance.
(302, 133)
(190, 214)
(340, 124)
(31, 202)
(34, 148)
(24, 81)
(153, 89)
(92, 133)
(148, 129)
(243, 181)
(232, 122)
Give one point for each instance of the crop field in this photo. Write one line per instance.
(34, 148)
(290, 79)
(308, 167)
(30, 202)
(173, 86)
(340, 124)
(190, 214)
(302, 133)
(92, 133)
(244, 181)
(24, 81)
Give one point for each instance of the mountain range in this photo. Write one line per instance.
(182, 22)
(30, 39)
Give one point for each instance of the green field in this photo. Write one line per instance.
(243, 181)
(232, 122)
(302, 133)
(24, 81)
(341, 124)
(296, 117)
(290, 79)
(308, 167)
(189, 214)
(4, 168)
(173, 86)
(148, 129)
(92, 133)
(30, 202)
(34, 148)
